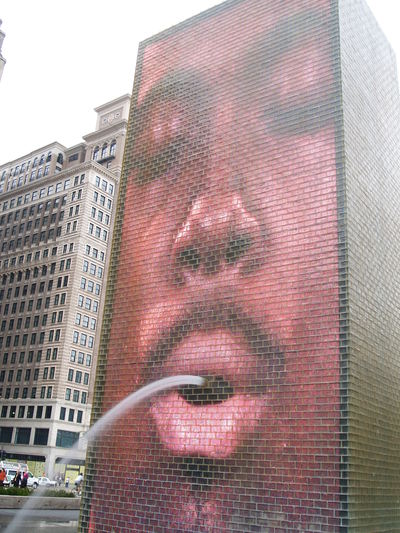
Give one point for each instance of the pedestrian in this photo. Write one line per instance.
(67, 482)
(3, 476)
(78, 483)
(17, 479)
(24, 480)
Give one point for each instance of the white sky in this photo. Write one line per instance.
(65, 57)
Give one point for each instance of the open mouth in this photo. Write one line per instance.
(215, 390)
(242, 368)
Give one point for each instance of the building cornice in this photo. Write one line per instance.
(107, 131)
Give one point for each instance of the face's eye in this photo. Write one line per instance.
(290, 75)
(299, 90)
(171, 120)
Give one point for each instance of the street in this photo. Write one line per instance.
(42, 521)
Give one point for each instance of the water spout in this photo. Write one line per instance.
(107, 420)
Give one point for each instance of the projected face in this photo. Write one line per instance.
(228, 270)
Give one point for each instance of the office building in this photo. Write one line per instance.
(56, 223)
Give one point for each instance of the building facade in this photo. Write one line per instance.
(56, 223)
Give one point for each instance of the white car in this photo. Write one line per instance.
(43, 482)
(33, 481)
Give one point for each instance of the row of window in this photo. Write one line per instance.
(22, 435)
(102, 200)
(67, 248)
(14, 306)
(33, 288)
(40, 412)
(71, 227)
(26, 411)
(59, 298)
(38, 320)
(93, 269)
(88, 303)
(45, 392)
(65, 439)
(74, 210)
(48, 373)
(79, 357)
(31, 239)
(106, 151)
(105, 185)
(100, 215)
(35, 338)
(31, 197)
(80, 377)
(62, 281)
(41, 193)
(94, 252)
(35, 272)
(83, 339)
(51, 353)
(98, 232)
(24, 167)
(85, 321)
(34, 211)
(90, 286)
(75, 395)
(71, 415)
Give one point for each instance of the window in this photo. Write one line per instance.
(70, 375)
(79, 415)
(67, 439)
(62, 413)
(41, 436)
(72, 356)
(22, 435)
(75, 397)
(67, 394)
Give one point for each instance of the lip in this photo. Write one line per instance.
(224, 345)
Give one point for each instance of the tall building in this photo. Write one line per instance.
(56, 223)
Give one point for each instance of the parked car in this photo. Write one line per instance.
(33, 481)
(45, 482)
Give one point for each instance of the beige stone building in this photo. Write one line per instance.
(57, 208)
